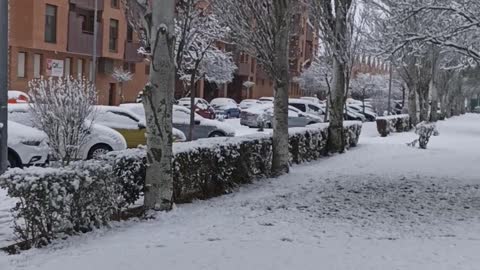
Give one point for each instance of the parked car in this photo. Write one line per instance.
(247, 103)
(27, 146)
(351, 114)
(259, 115)
(369, 114)
(476, 109)
(312, 99)
(307, 106)
(100, 140)
(266, 99)
(204, 128)
(226, 107)
(129, 124)
(202, 107)
(15, 96)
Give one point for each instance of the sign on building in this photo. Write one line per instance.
(54, 68)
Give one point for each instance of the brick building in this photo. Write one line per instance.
(55, 38)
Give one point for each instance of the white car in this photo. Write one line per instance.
(247, 103)
(100, 140)
(307, 106)
(266, 99)
(27, 146)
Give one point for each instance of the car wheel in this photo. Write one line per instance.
(13, 161)
(217, 134)
(98, 150)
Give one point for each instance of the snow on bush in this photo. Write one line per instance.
(53, 202)
(393, 123)
(60, 108)
(425, 130)
(211, 167)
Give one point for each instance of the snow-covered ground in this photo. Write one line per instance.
(382, 205)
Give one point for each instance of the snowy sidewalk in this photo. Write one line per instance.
(382, 205)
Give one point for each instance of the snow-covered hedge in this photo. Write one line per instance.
(53, 202)
(211, 167)
(393, 123)
(61, 201)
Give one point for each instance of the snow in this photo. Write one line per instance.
(382, 205)
(18, 133)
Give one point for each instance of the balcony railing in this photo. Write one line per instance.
(88, 4)
(80, 41)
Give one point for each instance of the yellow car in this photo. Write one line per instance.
(128, 124)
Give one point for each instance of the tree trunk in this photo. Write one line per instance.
(336, 142)
(280, 157)
(434, 105)
(412, 106)
(192, 106)
(423, 102)
(158, 108)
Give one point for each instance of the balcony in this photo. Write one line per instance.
(80, 41)
(87, 4)
(131, 54)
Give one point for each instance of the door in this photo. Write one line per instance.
(112, 93)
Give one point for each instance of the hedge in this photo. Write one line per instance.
(393, 123)
(62, 201)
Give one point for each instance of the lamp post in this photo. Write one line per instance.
(3, 84)
(94, 56)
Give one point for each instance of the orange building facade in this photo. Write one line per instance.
(54, 38)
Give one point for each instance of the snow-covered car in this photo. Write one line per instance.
(307, 106)
(204, 128)
(369, 114)
(476, 109)
(100, 140)
(352, 114)
(259, 115)
(266, 99)
(311, 99)
(226, 107)
(129, 124)
(27, 146)
(202, 107)
(15, 96)
(247, 103)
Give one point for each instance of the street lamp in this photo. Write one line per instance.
(3, 84)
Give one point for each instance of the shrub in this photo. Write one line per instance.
(211, 167)
(425, 130)
(393, 123)
(57, 201)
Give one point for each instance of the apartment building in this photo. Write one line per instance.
(54, 38)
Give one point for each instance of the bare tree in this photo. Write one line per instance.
(60, 108)
(262, 29)
(335, 20)
(122, 76)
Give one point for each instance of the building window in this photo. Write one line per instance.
(113, 39)
(51, 24)
(68, 64)
(130, 67)
(21, 64)
(147, 69)
(115, 3)
(88, 23)
(129, 33)
(80, 68)
(37, 65)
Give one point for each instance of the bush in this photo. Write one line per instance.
(211, 167)
(56, 201)
(425, 130)
(53, 202)
(393, 123)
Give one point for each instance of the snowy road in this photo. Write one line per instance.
(382, 205)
